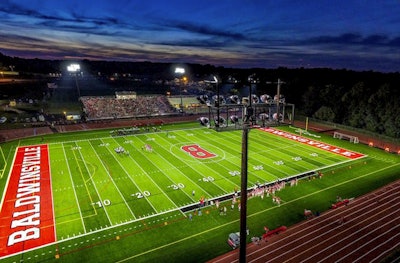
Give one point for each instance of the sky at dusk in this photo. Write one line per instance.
(351, 34)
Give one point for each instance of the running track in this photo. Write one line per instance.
(370, 231)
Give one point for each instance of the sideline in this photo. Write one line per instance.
(254, 214)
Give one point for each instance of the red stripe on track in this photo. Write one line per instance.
(27, 218)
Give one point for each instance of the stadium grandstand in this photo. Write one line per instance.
(124, 105)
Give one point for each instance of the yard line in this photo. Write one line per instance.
(186, 239)
(51, 193)
(72, 182)
(145, 173)
(95, 188)
(156, 183)
(180, 172)
(112, 180)
(238, 161)
(191, 179)
(254, 164)
(5, 163)
(225, 177)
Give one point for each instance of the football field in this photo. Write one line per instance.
(101, 183)
(95, 187)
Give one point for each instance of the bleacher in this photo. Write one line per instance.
(110, 107)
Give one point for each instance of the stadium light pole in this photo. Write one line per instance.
(218, 101)
(74, 68)
(247, 114)
(278, 94)
(180, 71)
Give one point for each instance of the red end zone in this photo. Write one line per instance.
(317, 144)
(27, 219)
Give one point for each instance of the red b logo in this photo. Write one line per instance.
(197, 152)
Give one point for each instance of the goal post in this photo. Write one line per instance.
(3, 163)
(351, 138)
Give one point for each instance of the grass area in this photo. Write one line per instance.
(128, 207)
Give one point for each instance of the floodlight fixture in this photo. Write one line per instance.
(179, 70)
(234, 99)
(234, 118)
(73, 67)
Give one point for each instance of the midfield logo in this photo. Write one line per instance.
(197, 152)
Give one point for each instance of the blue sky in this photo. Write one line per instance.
(359, 35)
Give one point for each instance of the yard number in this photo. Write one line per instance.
(141, 194)
(176, 186)
(105, 202)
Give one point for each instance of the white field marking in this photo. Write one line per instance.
(267, 171)
(256, 175)
(8, 180)
(202, 166)
(348, 236)
(112, 180)
(156, 183)
(51, 193)
(179, 171)
(388, 250)
(108, 137)
(72, 182)
(95, 188)
(5, 164)
(144, 173)
(211, 229)
(305, 226)
(311, 194)
(304, 149)
(278, 150)
(361, 237)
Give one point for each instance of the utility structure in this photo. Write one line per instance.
(249, 119)
(278, 100)
(217, 104)
(180, 72)
(247, 115)
(75, 69)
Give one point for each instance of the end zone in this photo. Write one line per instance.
(317, 144)
(27, 218)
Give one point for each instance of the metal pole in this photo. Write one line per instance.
(243, 189)
(181, 106)
(217, 124)
(77, 86)
(278, 94)
(243, 195)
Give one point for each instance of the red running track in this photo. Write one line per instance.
(366, 230)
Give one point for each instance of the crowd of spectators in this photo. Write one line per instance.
(110, 107)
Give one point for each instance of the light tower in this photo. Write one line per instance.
(180, 72)
(75, 69)
(217, 103)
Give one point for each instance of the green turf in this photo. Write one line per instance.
(111, 207)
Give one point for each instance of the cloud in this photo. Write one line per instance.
(355, 39)
(202, 29)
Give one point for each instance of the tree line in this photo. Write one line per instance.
(361, 99)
